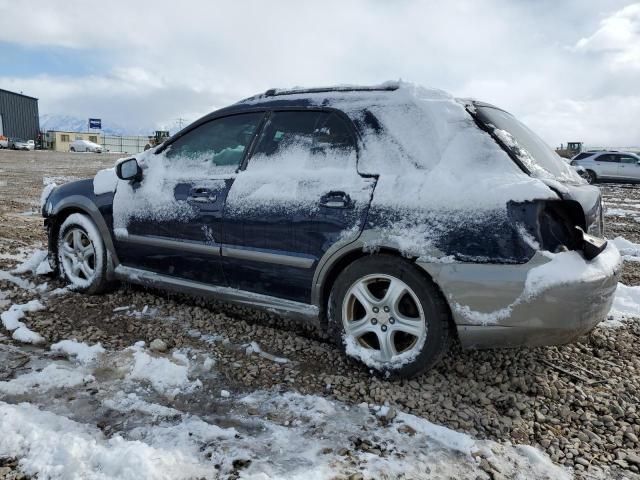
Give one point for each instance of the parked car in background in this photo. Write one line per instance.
(21, 144)
(85, 146)
(609, 166)
(394, 217)
(4, 142)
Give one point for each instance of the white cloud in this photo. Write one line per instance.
(162, 62)
(618, 38)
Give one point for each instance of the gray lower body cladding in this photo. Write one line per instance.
(500, 317)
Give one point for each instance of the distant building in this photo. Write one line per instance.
(60, 141)
(18, 116)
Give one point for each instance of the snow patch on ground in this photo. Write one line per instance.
(82, 352)
(52, 376)
(630, 250)
(36, 264)
(165, 374)
(626, 305)
(11, 321)
(253, 347)
(52, 446)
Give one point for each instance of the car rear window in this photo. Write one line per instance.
(533, 153)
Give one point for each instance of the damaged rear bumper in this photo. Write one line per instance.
(491, 309)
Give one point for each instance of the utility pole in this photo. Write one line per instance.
(180, 121)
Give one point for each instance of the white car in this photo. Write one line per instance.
(85, 146)
(4, 143)
(20, 144)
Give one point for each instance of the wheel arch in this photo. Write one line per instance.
(329, 272)
(79, 204)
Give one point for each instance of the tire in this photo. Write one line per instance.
(590, 177)
(378, 335)
(72, 149)
(81, 255)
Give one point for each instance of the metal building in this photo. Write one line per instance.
(18, 116)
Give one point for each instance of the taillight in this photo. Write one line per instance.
(551, 224)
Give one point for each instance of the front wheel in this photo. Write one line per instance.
(390, 316)
(82, 256)
(590, 177)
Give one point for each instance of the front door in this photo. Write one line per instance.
(607, 164)
(299, 195)
(170, 221)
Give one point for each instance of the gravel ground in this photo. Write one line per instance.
(580, 403)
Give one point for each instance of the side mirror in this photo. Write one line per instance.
(129, 170)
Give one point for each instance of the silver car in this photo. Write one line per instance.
(616, 166)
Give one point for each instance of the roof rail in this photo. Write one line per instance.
(273, 92)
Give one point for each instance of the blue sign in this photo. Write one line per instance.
(95, 123)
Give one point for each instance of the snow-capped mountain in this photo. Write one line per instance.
(69, 123)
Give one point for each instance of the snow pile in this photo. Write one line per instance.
(166, 375)
(626, 304)
(37, 264)
(11, 321)
(562, 268)
(51, 446)
(82, 352)
(50, 377)
(628, 249)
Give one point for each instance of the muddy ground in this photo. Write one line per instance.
(579, 403)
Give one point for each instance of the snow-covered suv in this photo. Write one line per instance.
(396, 217)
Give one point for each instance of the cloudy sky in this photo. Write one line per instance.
(570, 69)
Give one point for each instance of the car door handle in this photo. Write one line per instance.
(336, 200)
(202, 195)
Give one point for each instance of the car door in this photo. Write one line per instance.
(299, 195)
(606, 165)
(170, 221)
(628, 167)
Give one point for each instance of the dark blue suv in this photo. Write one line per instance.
(396, 217)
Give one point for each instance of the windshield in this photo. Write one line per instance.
(534, 154)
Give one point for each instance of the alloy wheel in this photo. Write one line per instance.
(78, 256)
(383, 314)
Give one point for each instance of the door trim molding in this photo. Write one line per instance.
(161, 242)
(267, 257)
(230, 251)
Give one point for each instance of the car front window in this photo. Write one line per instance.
(532, 152)
(218, 145)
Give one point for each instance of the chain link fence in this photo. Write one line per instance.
(124, 144)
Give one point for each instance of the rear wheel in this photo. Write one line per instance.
(389, 315)
(72, 149)
(82, 257)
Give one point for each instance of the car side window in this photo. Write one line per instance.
(606, 157)
(628, 159)
(325, 136)
(218, 145)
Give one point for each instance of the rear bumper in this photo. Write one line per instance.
(490, 310)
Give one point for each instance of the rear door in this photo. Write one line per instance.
(172, 218)
(628, 168)
(299, 195)
(607, 165)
